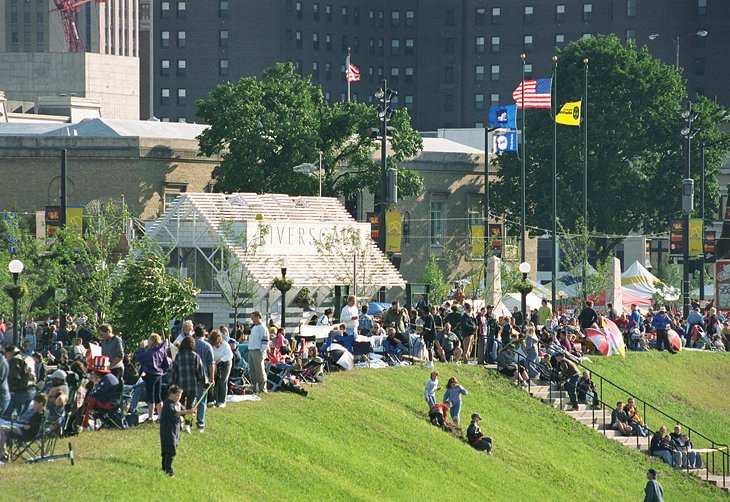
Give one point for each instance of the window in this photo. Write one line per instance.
(408, 100)
(479, 45)
(449, 16)
(410, 17)
(182, 120)
(181, 8)
(298, 9)
(630, 8)
(408, 72)
(395, 18)
(344, 15)
(328, 71)
(199, 264)
(371, 16)
(559, 40)
(165, 96)
(26, 18)
(181, 36)
(164, 10)
(165, 39)
(39, 38)
(495, 44)
(181, 95)
(380, 46)
(410, 44)
(356, 16)
(328, 13)
(315, 11)
(39, 18)
(328, 42)
(182, 66)
(449, 45)
(436, 221)
(345, 45)
(315, 70)
(395, 46)
(394, 74)
(527, 43)
(448, 74)
(223, 67)
(171, 193)
(587, 12)
(529, 11)
(223, 38)
(560, 13)
(494, 98)
(496, 15)
(528, 70)
(479, 101)
(630, 35)
(495, 72)
(585, 36)
(315, 41)
(298, 39)
(480, 17)
(165, 67)
(479, 73)
(701, 7)
(223, 9)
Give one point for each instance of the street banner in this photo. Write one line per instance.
(477, 242)
(505, 142)
(393, 231)
(695, 237)
(495, 239)
(503, 116)
(53, 220)
(676, 244)
(709, 246)
(75, 220)
(374, 220)
(722, 285)
(569, 114)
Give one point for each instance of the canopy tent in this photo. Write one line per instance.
(512, 300)
(639, 280)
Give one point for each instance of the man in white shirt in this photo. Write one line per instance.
(258, 342)
(187, 330)
(349, 316)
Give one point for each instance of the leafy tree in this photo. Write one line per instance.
(263, 127)
(434, 277)
(635, 159)
(147, 296)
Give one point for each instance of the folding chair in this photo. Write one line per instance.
(41, 448)
(362, 349)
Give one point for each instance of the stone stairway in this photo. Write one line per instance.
(594, 418)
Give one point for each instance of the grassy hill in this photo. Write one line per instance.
(691, 386)
(361, 435)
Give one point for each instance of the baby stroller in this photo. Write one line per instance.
(280, 378)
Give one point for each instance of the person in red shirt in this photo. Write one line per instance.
(438, 413)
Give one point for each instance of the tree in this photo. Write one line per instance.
(434, 277)
(147, 296)
(635, 161)
(263, 127)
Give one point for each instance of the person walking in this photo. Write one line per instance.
(258, 343)
(170, 427)
(453, 394)
(431, 387)
(653, 491)
(188, 374)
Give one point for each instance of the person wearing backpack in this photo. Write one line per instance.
(365, 324)
(21, 381)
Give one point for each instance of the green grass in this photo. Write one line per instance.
(690, 386)
(361, 435)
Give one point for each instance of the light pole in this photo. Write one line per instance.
(16, 268)
(688, 132)
(525, 289)
(311, 168)
(384, 97)
(284, 288)
(698, 33)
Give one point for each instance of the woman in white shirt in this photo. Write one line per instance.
(222, 356)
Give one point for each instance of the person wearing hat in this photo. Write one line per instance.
(662, 323)
(476, 438)
(570, 373)
(653, 491)
(105, 394)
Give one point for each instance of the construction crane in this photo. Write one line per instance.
(69, 9)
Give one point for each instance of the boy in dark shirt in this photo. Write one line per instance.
(170, 427)
(27, 426)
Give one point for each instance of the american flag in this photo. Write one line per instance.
(352, 74)
(537, 93)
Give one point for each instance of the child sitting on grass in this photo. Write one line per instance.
(431, 387)
(170, 427)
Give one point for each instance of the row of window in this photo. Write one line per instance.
(376, 18)
(181, 8)
(40, 18)
(40, 39)
(181, 38)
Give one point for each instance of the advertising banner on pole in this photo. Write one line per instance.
(477, 242)
(393, 231)
(722, 285)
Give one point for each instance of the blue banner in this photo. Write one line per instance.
(503, 116)
(506, 142)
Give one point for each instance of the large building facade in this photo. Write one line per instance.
(448, 59)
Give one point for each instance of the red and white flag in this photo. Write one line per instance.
(537, 93)
(352, 74)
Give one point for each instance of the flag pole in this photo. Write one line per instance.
(522, 173)
(347, 73)
(585, 178)
(553, 290)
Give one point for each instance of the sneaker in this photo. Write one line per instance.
(201, 429)
(186, 428)
(171, 473)
(222, 405)
(428, 365)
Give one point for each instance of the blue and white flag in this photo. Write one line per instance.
(506, 142)
(503, 116)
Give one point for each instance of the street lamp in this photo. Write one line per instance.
(16, 268)
(688, 132)
(311, 168)
(284, 289)
(698, 33)
(384, 95)
(525, 289)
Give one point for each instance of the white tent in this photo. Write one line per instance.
(709, 292)
(638, 280)
(511, 300)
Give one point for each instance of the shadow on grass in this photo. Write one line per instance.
(115, 460)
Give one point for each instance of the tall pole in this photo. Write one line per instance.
(523, 155)
(16, 326)
(585, 180)
(554, 275)
(320, 173)
(64, 204)
(485, 208)
(685, 216)
(383, 165)
(283, 300)
(702, 217)
(676, 65)
(347, 73)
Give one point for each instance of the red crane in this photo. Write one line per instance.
(69, 9)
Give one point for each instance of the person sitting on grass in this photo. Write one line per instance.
(431, 387)
(662, 446)
(620, 421)
(635, 420)
(587, 389)
(476, 438)
(26, 427)
(438, 414)
(453, 394)
(393, 345)
(172, 410)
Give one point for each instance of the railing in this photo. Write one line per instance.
(710, 452)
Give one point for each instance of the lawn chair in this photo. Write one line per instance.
(41, 448)
(362, 350)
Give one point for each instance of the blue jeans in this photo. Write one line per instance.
(200, 415)
(431, 401)
(491, 355)
(19, 402)
(137, 390)
(455, 410)
(4, 402)
(695, 459)
(639, 430)
(672, 458)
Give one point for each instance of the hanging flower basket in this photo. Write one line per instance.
(282, 285)
(16, 292)
(303, 299)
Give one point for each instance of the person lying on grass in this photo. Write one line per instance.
(476, 438)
